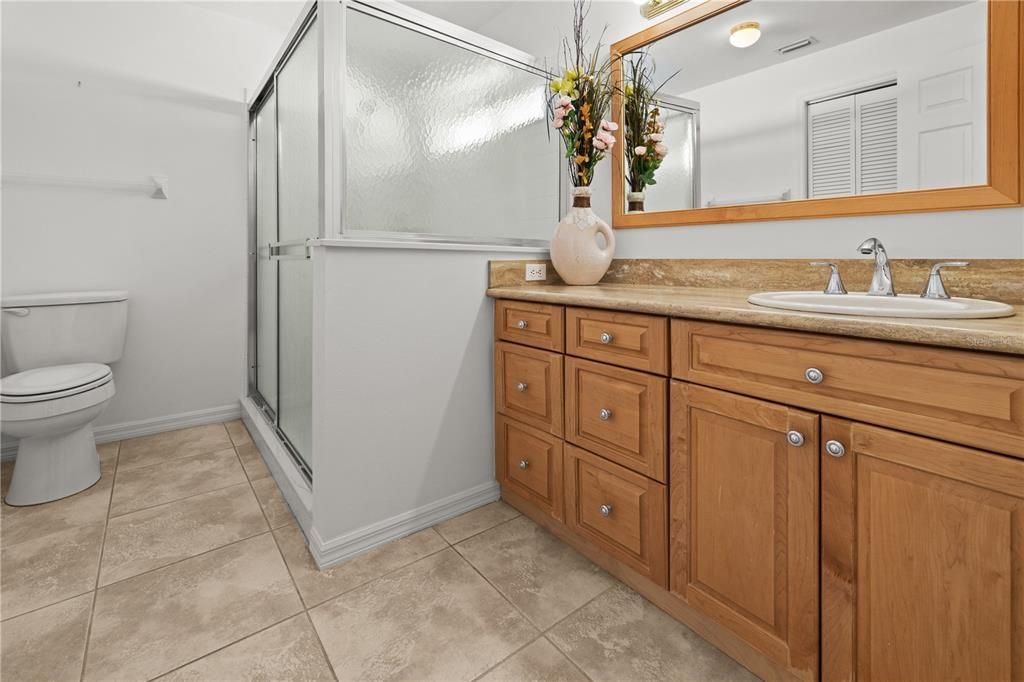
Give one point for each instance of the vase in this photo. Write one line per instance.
(574, 249)
(635, 202)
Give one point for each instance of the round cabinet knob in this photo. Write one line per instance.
(605, 414)
(795, 438)
(524, 464)
(814, 375)
(521, 387)
(606, 338)
(606, 510)
(835, 448)
(522, 324)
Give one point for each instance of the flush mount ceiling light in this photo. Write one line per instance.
(745, 34)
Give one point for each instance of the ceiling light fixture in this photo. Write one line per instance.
(745, 34)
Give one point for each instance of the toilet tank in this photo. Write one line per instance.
(40, 330)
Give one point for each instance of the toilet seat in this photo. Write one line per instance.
(53, 383)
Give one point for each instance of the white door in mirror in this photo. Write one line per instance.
(904, 305)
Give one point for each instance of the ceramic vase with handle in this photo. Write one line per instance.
(574, 249)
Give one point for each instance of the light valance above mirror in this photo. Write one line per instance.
(777, 109)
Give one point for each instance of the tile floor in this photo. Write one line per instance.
(184, 563)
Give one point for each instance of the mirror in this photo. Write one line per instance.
(783, 101)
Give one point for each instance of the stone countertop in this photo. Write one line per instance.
(1001, 335)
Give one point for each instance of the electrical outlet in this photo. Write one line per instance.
(536, 272)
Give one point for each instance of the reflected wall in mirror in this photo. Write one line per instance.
(798, 101)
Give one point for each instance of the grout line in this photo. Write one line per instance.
(484, 673)
(6, 621)
(179, 499)
(99, 563)
(219, 649)
(567, 656)
(486, 530)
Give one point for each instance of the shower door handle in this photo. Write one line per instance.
(274, 250)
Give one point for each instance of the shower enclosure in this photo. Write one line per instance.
(378, 124)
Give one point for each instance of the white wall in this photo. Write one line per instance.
(403, 397)
(162, 91)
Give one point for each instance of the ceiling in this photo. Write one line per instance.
(702, 53)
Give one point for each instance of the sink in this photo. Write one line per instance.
(904, 305)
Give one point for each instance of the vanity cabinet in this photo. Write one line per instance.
(922, 574)
(818, 507)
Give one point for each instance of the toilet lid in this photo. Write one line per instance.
(50, 383)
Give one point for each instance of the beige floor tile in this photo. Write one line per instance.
(161, 447)
(49, 569)
(538, 662)
(136, 489)
(277, 510)
(434, 620)
(238, 433)
(155, 622)
(89, 506)
(287, 651)
(477, 521)
(316, 586)
(622, 636)
(47, 644)
(155, 537)
(544, 577)
(252, 462)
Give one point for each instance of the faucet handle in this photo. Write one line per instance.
(935, 288)
(835, 281)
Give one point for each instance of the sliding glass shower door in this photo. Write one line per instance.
(286, 214)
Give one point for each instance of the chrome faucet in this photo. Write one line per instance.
(881, 281)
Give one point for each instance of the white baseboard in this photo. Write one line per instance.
(335, 550)
(147, 427)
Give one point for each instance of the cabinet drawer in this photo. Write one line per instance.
(533, 324)
(626, 339)
(965, 397)
(529, 463)
(618, 510)
(528, 386)
(617, 413)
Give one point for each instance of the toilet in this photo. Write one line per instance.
(56, 351)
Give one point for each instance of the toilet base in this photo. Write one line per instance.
(50, 467)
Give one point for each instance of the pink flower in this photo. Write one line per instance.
(609, 126)
(564, 101)
(640, 150)
(599, 143)
(558, 112)
(605, 137)
(661, 150)
(557, 123)
(655, 137)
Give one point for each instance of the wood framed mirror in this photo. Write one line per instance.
(838, 108)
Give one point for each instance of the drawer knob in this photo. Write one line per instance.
(795, 438)
(606, 510)
(522, 324)
(524, 464)
(606, 338)
(605, 414)
(835, 448)
(814, 375)
(521, 386)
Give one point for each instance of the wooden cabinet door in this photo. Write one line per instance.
(922, 558)
(744, 519)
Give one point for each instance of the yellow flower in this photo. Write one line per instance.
(557, 85)
(629, 90)
(571, 74)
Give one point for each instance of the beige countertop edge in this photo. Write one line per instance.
(1001, 335)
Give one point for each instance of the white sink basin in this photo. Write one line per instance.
(904, 305)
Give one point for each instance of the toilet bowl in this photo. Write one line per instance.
(51, 411)
(56, 347)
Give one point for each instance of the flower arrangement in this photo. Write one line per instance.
(644, 131)
(579, 102)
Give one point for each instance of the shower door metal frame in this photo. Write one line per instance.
(266, 91)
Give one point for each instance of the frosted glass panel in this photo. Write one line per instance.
(442, 140)
(299, 212)
(676, 181)
(266, 269)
